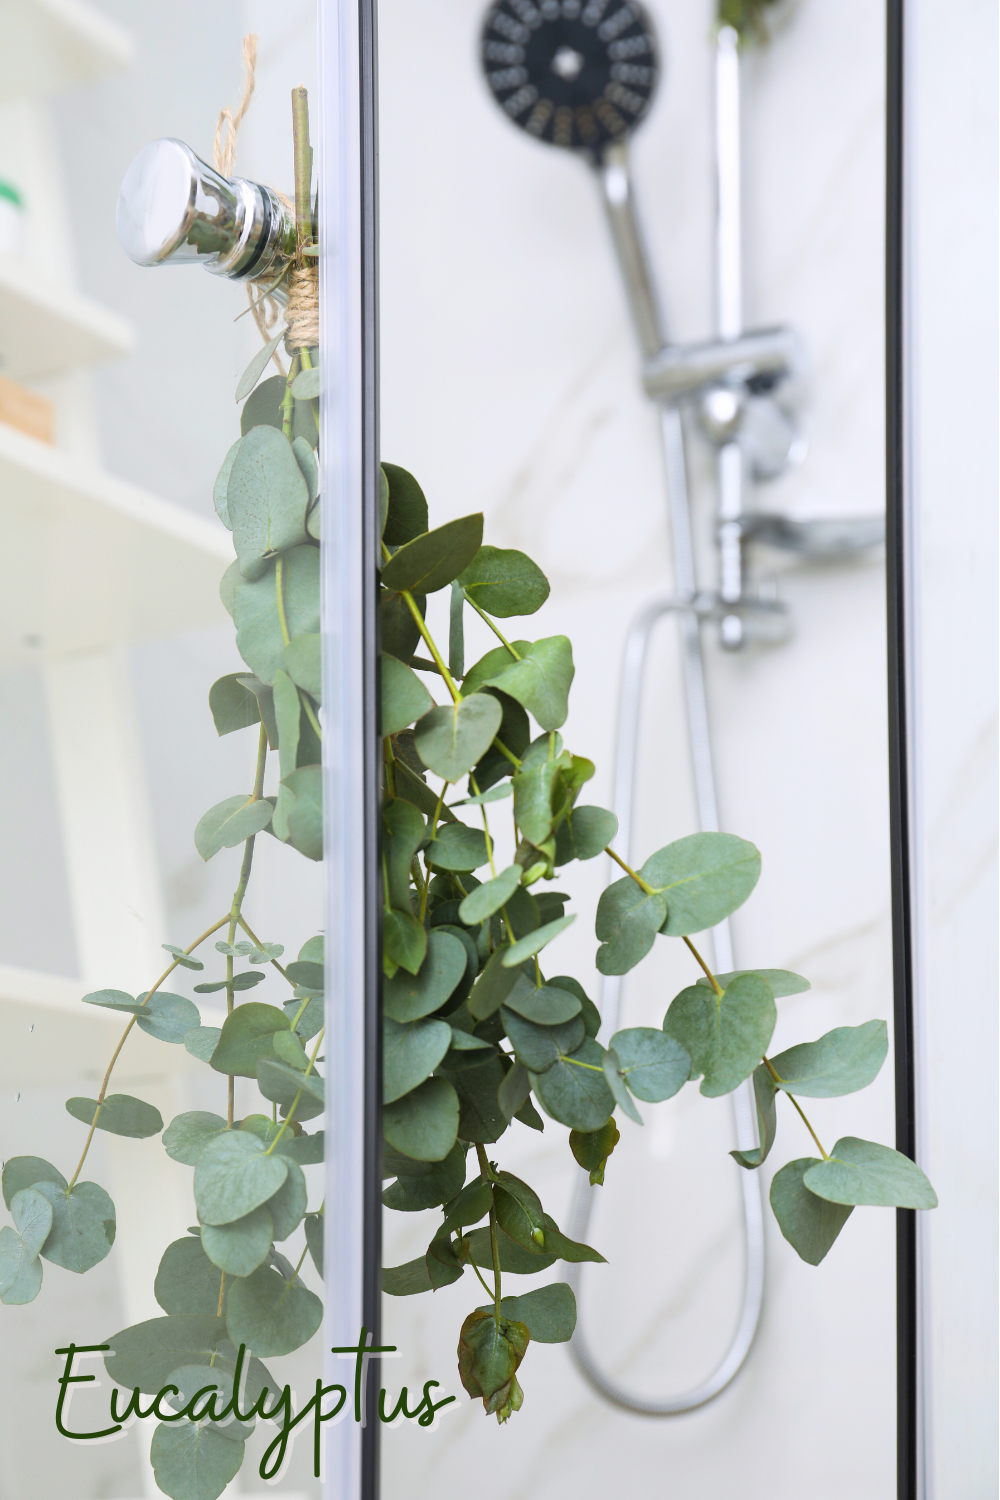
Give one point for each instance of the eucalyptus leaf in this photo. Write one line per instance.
(186, 1280)
(527, 947)
(240, 1247)
(305, 816)
(271, 1315)
(20, 1271)
(505, 582)
(451, 739)
(764, 1091)
(616, 1083)
(233, 1176)
(490, 896)
(305, 457)
(404, 697)
(407, 1280)
(303, 663)
(288, 1205)
(782, 981)
(489, 1353)
(541, 680)
(548, 1005)
(628, 920)
(246, 1038)
(202, 1041)
(193, 1460)
(584, 833)
(307, 1150)
(406, 507)
(538, 788)
(411, 1051)
(222, 485)
(495, 794)
(32, 1215)
(548, 1313)
(399, 631)
(230, 823)
(306, 385)
(258, 365)
(863, 1172)
(539, 1047)
(83, 1225)
(704, 878)
(284, 1085)
(245, 981)
(514, 1092)
(183, 958)
(487, 668)
(575, 1091)
(266, 499)
(457, 847)
(430, 561)
(515, 1260)
(144, 1356)
(232, 704)
(314, 1239)
(424, 1123)
(24, 1172)
(119, 1114)
(841, 1062)
(591, 1148)
(725, 1038)
(255, 611)
(653, 1064)
(809, 1223)
(402, 833)
(495, 984)
(167, 1017)
(407, 997)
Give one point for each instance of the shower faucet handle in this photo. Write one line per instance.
(174, 209)
(681, 371)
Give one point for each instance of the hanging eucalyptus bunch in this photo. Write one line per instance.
(480, 1035)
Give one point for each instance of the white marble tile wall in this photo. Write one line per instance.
(510, 384)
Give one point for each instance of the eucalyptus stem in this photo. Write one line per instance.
(303, 164)
(642, 884)
(121, 1042)
(411, 605)
(298, 1096)
(222, 1294)
(288, 400)
(279, 594)
(486, 1175)
(255, 939)
(495, 629)
(235, 909)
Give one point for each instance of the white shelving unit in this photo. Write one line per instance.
(47, 329)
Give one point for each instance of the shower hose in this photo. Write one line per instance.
(682, 604)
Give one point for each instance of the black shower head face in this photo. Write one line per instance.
(576, 73)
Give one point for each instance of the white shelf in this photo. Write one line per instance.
(50, 45)
(46, 329)
(93, 562)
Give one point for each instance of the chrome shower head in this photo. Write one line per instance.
(575, 73)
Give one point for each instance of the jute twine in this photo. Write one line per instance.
(302, 281)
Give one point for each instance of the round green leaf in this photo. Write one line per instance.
(230, 823)
(865, 1172)
(306, 385)
(20, 1271)
(284, 1085)
(541, 680)
(704, 878)
(844, 1060)
(404, 697)
(24, 1171)
(83, 1225)
(217, 1387)
(653, 1064)
(120, 1114)
(255, 611)
(782, 981)
(576, 1096)
(288, 1205)
(202, 1041)
(627, 923)
(450, 740)
(266, 499)
(246, 1038)
(810, 1224)
(234, 1176)
(405, 507)
(193, 1460)
(167, 1017)
(246, 981)
(222, 485)
(535, 941)
(505, 582)
(424, 1123)
(548, 1313)
(585, 833)
(725, 1038)
(186, 1280)
(548, 1006)
(32, 1215)
(271, 1315)
(411, 1051)
(240, 1247)
(457, 847)
(407, 997)
(258, 365)
(539, 1047)
(764, 1095)
(490, 896)
(305, 815)
(303, 663)
(144, 1355)
(616, 1083)
(432, 560)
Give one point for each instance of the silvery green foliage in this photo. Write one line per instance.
(479, 1034)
